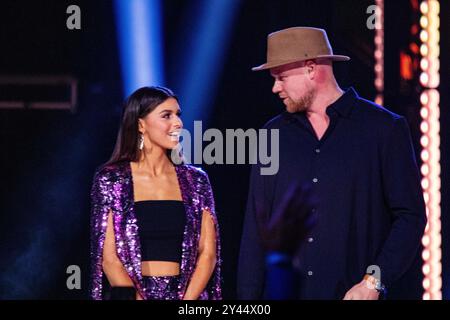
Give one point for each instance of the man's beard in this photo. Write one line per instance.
(302, 104)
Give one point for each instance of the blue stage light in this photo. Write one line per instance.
(139, 30)
(202, 59)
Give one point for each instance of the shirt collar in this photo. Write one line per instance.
(342, 106)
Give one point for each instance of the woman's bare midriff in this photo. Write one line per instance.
(160, 268)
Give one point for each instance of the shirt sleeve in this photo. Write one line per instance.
(404, 197)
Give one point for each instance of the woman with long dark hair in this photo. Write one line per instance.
(154, 231)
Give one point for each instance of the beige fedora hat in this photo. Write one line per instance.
(297, 44)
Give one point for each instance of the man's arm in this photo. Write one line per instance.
(404, 196)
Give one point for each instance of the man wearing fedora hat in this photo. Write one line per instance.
(358, 159)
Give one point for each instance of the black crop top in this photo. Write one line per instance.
(161, 226)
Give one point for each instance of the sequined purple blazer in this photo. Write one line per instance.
(113, 190)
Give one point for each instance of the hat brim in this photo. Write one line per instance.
(274, 64)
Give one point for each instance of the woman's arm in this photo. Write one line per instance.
(112, 266)
(206, 261)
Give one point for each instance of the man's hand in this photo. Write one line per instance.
(362, 291)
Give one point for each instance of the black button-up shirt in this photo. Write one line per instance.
(370, 208)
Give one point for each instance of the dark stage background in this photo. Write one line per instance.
(48, 158)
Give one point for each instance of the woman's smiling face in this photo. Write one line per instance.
(162, 126)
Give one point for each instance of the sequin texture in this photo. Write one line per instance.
(112, 189)
(162, 288)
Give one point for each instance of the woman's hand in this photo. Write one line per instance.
(206, 261)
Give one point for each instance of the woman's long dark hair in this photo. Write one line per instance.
(137, 106)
